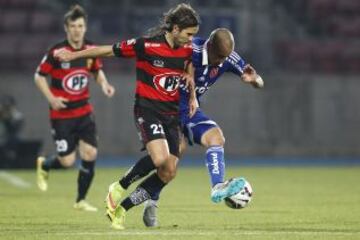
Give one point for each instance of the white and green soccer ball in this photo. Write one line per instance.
(241, 199)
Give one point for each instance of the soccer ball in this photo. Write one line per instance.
(240, 199)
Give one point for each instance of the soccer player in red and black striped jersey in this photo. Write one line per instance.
(161, 60)
(71, 116)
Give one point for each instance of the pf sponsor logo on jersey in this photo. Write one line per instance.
(167, 83)
(76, 82)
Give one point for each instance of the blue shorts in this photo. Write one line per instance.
(193, 128)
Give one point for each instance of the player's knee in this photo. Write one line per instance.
(221, 141)
(160, 159)
(218, 140)
(89, 154)
(172, 174)
(167, 174)
(67, 161)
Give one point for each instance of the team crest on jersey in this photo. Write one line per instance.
(214, 72)
(76, 82)
(65, 65)
(167, 83)
(158, 63)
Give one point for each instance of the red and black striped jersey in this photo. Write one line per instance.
(158, 71)
(70, 80)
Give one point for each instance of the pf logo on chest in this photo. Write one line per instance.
(167, 83)
(76, 82)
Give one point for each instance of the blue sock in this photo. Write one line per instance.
(215, 164)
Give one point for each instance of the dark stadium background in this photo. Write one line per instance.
(307, 51)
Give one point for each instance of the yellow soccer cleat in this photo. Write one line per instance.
(118, 222)
(113, 198)
(85, 206)
(41, 175)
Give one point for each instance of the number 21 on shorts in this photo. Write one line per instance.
(157, 129)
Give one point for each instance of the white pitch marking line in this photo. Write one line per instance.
(207, 233)
(14, 180)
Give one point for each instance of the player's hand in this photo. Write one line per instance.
(259, 82)
(108, 89)
(64, 55)
(188, 80)
(58, 103)
(250, 76)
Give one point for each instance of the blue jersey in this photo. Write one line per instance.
(206, 75)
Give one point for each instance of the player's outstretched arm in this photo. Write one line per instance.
(250, 76)
(106, 87)
(100, 51)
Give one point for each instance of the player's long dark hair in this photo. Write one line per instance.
(183, 15)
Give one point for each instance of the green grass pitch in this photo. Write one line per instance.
(288, 203)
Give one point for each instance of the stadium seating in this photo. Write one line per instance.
(328, 42)
(29, 27)
(333, 28)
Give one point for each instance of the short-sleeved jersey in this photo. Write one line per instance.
(158, 71)
(70, 80)
(205, 74)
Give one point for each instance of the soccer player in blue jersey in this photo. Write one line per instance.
(211, 58)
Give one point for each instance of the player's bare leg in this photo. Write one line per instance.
(166, 172)
(159, 152)
(140, 169)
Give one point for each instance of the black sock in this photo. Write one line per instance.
(142, 168)
(51, 162)
(86, 175)
(148, 189)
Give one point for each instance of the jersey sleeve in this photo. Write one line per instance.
(237, 64)
(47, 64)
(129, 48)
(97, 65)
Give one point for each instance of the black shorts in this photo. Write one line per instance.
(67, 133)
(152, 125)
